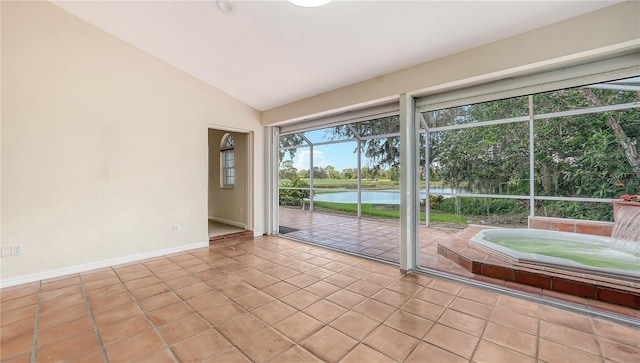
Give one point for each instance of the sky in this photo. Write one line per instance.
(340, 156)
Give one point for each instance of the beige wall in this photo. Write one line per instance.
(610, 29)
(104, 147)
(228, 205)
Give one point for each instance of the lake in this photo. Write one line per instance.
(371, 196)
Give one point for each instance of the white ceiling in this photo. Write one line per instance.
(270, 53)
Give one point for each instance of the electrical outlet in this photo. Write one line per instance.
(176, 228)
(16, 250)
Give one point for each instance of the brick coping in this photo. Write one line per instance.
(458, 250)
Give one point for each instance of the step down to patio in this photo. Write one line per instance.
(242, 235)
(285, 230)
(458, 250)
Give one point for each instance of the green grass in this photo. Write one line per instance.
(371, 210)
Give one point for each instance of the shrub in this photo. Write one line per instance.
(479, 206)
(294, 196)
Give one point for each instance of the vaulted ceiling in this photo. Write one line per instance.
(270, 53)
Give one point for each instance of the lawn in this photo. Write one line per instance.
(383, 211)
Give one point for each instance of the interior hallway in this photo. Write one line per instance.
(273, 299)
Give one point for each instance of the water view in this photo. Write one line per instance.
(371, 196)
(590, 254)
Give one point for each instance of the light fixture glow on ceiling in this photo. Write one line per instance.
(225, 6)
(310, 3)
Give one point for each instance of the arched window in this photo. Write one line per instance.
(227, 162)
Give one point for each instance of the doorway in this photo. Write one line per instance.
(229, 197)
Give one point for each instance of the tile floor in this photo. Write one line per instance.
(273, 299)
(379, 238)
(376, 238)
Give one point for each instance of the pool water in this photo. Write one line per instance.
(590, 254)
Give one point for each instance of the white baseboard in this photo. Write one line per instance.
(225, 221)
(96, 265)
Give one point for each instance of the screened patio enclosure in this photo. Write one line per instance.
(541, 135)
(352, 145)
(537, 146)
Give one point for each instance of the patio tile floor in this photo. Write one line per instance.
(379, 239)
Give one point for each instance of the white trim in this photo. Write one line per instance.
(12, 281)
(249, 216)
(227, 128)
(272, 161)
(226, 221)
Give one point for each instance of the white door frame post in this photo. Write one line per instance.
(409, 185)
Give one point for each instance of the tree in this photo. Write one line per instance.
(290, 141)
(287, 170)
(621, 137)
(331, 172)
(319, 172)
(491, 159)
(394, 174)
(349, 173)
(593, 154)
(383, 150)
(304, 174)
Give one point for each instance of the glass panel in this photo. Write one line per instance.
(584, 156)
(335, 165)
(291, 172)
(227, 172)
(488, 160)
(294, 177)
(294, 162)
(479, 112)
(596, 95)
(290, 140)
(229, 158)
(227, 142)
(380, 126)
(229, 176)
(382, 152)
(490, 211)
(329, 134)
(574, 210)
